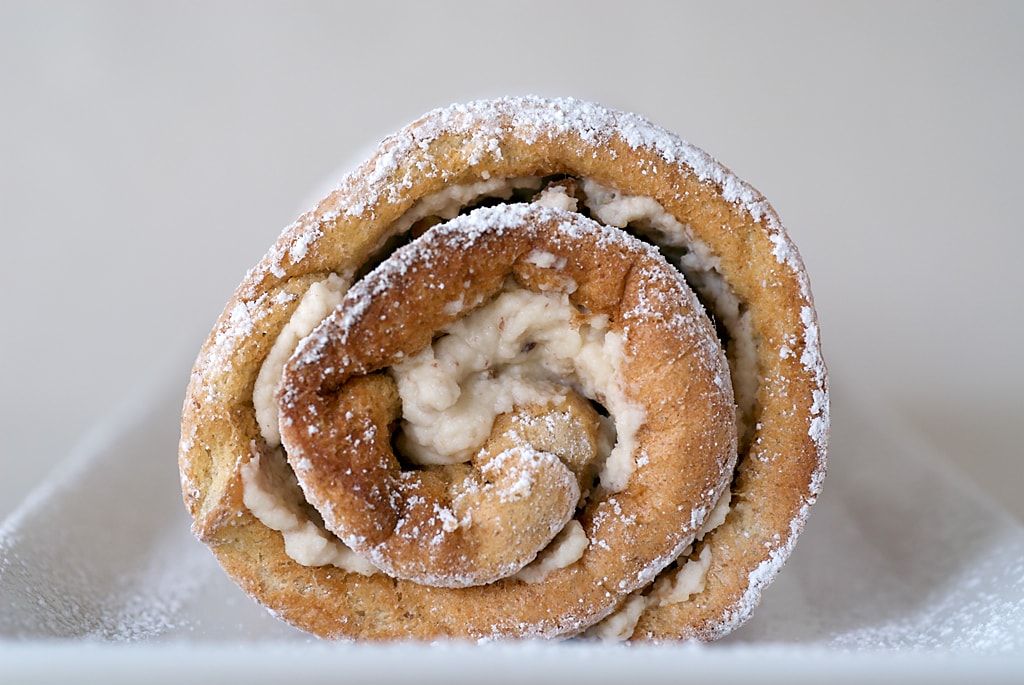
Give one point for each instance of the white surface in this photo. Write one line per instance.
(873, 576)
(502, 664)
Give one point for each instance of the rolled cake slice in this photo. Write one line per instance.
(474, 393)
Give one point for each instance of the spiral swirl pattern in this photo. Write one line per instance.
(647, 483)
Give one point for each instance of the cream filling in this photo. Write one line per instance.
(520, 348)
(316, 304)
(271, 493)
(556, 197)
(619, 626)
(688, 580)
(691, 576)
(447, 203)
(565, 550)
(269, 488)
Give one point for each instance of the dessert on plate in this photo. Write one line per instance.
(535, 369)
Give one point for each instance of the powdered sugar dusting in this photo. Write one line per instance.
(232, 332)
(812, 361)
(530, 119)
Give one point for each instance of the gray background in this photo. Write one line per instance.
(151, 152)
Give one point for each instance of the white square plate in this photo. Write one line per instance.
(901, 560)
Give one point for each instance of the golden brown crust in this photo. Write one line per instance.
(780, 466)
